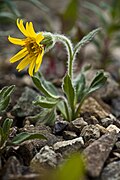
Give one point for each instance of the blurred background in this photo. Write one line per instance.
(73, 18)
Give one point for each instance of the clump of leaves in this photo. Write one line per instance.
(74, 89)
(108, 16)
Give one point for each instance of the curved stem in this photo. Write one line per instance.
(69, 48)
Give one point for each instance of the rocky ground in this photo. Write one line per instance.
(96, 134)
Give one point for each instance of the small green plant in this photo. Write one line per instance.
(74, 89)
(5, 128)
(6, 141)
(108, 17)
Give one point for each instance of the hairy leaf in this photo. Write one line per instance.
(42, 88)
(46, 102)
(69, 90)
(97, 82)
(85, 40)
(5, 97)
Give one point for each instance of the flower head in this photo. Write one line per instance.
(32, 51)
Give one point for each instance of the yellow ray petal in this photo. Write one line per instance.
(39, 58)
(31, 67)
(19, 55)
(39, 37)
(27, 29)
(16, 41)
(21, 27)
(25, 62)
(31, 29)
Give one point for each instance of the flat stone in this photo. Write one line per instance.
(66, 147)
(90, 132)
(25, 106)
(97, 153)
(111, 171)
(67, 135)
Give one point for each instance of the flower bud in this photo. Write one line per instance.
(48, 41)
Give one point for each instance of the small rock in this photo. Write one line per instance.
(102, 129)
(13, 168)
(45, 158)
(111, 171)
(117, 144)
(60, 126)
(90, 132)
(112, 127)
(25, 106)
(109, 90)
(91, 105)
(97, 153)
(67, 135)
(66, 147)
(77, 125)
(115, 106)
(106, 121)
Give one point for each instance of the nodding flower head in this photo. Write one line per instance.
(32, 50)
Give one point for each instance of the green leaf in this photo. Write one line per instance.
(75, 165)
(1, 137)
(115, 9)
(13, 8)
(39, 84)
(24, 136)
(70, 15)
(97, 82)
(80, 85)
(61, 108)
(48, 116)
(46, 102)
(6, 17)
(47, 84)
(5, 97)
(6, 129)
(69, 90)
(98, 12)
(7, 125)
(85, 40)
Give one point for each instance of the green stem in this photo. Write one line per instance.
(79, 107)
(69, 49)
(68, 112)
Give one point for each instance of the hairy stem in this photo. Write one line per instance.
(69, 48)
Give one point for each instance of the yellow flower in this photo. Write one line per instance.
(32, 51)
